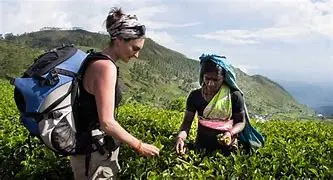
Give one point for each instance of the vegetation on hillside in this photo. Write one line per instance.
(158, 77)
(293, 150)
(14, 59)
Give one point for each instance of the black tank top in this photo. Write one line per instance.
(87, 109)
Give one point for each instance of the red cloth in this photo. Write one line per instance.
(217, 124)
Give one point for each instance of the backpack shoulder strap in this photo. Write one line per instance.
(93, 55)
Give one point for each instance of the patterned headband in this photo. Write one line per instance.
(127, 27)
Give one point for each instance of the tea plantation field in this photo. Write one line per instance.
(294, 149)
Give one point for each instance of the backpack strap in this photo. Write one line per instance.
(93, 55)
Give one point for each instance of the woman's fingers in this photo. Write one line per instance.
(149, 150)
(224, 139)
(156, 150)
(180, 147)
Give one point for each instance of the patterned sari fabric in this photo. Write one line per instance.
(218, 112)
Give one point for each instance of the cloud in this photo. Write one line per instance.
(146, 14)
(292, 21)
(26, 16)
(248, 69)
(231, 37)
(174, 43)
(241, 37)
(163, 38)
(167, 40)
(165, 25)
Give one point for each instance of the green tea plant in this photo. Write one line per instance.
(295, 149)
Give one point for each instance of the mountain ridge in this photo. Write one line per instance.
(161, 74)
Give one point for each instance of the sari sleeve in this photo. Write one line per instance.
(190, 103)
(237, 102)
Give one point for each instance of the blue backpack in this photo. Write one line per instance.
(47, 98)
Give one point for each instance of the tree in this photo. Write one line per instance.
(9, 36)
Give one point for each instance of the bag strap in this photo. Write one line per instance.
(93, 55)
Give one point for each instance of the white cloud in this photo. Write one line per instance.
(146, 14)
(248, 69)
(164, 25)
(172, 42)
(231, 37)
(287, 34)
(26, 16)
(293, 21)
(165, 39)
(161, 37)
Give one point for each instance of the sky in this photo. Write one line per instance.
(289, 40)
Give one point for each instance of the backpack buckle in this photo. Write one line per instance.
(54, 79)
(50, 80)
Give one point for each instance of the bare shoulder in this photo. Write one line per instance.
(102, 66)
(100, 71)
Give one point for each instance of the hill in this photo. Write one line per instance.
(160, 74)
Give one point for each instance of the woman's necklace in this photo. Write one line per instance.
(207, 97)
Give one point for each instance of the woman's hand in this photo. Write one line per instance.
(147, 149)
(180, 149)
(225, 139)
